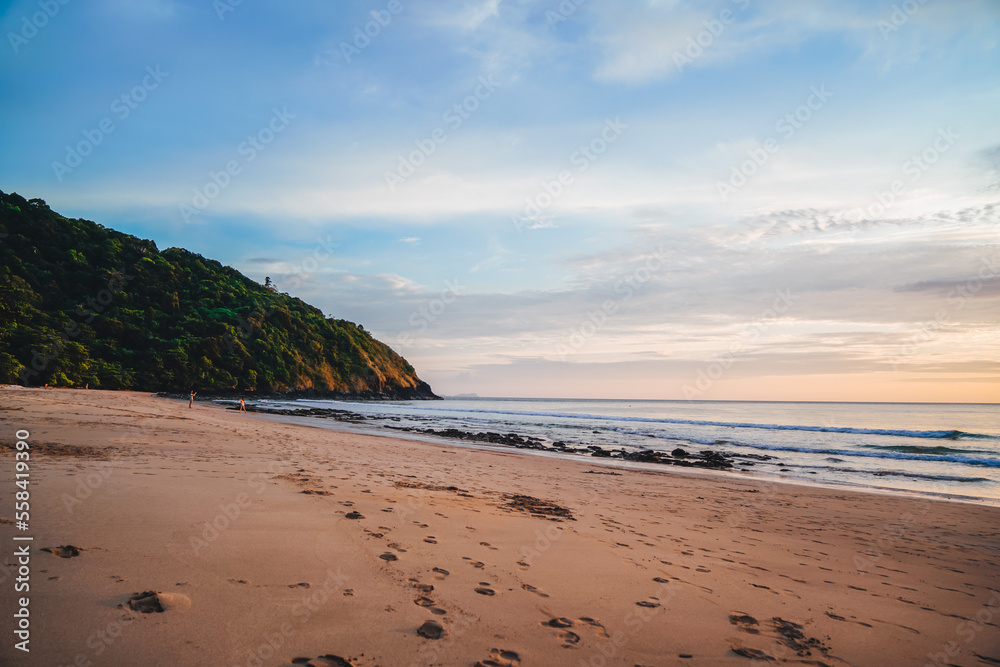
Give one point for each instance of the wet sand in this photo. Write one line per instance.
(202, 536)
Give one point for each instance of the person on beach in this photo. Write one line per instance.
(191, 402)
(243, 405)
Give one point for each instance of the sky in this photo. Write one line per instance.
(717, 200)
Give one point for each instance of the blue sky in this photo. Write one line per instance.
(712, 200)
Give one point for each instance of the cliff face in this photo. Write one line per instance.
(83, 304)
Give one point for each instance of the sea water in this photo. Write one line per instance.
(951, 449)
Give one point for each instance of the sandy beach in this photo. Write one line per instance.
(203, 536)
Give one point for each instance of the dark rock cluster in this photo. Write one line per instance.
(706, 458)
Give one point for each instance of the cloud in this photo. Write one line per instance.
(465, 15)
(973, 284)
(660, 40)
(496, 36)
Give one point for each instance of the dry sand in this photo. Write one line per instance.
(266, 543)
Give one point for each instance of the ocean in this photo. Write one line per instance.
(926, 448)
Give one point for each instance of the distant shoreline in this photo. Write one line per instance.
(413, 395)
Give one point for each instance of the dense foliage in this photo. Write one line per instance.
(82, 304)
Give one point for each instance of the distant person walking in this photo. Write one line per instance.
(243, 405)
(191, 402)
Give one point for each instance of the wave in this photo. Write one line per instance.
(884, 453)
(914, 475)
(907, 456)
(924, 449)
(933, 435)
(940, 478)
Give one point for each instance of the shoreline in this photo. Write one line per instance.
(264, 543)
(415, 435)
(638, 466)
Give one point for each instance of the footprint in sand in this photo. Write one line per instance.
(423, 588)
(388, 556)
(328, 660)
(66, 551)
(354, 515)
(432, 630)
(599, 629)
(485, 590)
(430, 540)
(753, 653)
(500, 658)
(428, 604)
(488, 546)
(536, 591)
(745, 622)
(569, 638)
(474, 563)
(440, 573)
(150, 602)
